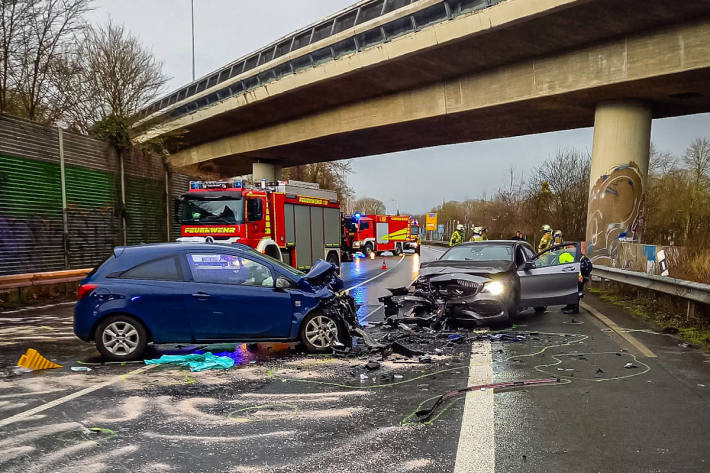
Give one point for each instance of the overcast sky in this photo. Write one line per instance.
(412, 180)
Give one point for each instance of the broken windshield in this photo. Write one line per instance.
(221, 210)
(486, 252)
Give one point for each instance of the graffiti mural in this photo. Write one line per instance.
(616, 205)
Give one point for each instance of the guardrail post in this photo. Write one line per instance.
(690, 313)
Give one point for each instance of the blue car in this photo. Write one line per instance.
(184, 293)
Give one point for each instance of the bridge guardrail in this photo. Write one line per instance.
(692, 291)
(15, 281)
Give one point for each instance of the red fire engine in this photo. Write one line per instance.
(292, 221)
(376, 233)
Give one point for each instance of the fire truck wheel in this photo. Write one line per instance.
(368, 249)
(319, 332)
(397, 250)
(333, 259)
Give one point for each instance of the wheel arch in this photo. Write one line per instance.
(269, 247)
(103, 317)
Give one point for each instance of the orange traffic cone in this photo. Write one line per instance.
(34, 361)
(384, 265)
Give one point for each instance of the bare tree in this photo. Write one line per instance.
(14, 18)
(697, 164)
(369, 206)
(50, 26)
(330, 175)
(661, 162)
(108, 73)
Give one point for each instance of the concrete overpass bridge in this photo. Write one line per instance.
(391, 75)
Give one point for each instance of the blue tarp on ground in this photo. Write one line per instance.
(196, 362)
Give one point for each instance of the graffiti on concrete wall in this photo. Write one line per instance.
(616, 203)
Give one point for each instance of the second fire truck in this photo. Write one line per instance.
(375, 234)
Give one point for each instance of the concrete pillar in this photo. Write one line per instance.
(270, 172)
(617, 184)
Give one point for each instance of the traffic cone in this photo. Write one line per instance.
(384, 265)
(34, 361)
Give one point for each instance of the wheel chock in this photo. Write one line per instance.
(34, 361)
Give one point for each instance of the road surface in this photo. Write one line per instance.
(282, 410)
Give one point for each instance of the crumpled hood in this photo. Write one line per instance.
(322, 275)
(432, 268)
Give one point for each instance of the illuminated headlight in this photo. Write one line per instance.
(495, 288)
(415, 244)
(356, 244)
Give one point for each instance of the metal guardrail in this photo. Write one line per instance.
(693, 291)
(435, 243)
(42, 279)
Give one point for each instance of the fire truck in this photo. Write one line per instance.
(414, 242)
(294, 222)
(376, 234)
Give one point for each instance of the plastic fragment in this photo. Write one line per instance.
(80, 368)
(196, 362)
(630, 365)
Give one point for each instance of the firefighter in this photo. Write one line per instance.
(557, 238)
(457, 236)
(477, 234)
(546, 239)
(585, 269)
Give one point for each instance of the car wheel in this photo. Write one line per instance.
(319, 332)
(368, 249)
(121, 338)
(540, 310)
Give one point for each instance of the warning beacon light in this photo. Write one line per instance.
(357, 216)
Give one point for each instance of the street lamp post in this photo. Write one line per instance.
(192, 16)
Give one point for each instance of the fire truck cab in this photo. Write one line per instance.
(376, 233)
(291, 221)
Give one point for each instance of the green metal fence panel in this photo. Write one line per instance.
(93, 214)
(31, 229)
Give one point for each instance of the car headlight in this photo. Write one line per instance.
(495, 288)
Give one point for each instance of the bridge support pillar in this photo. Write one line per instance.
(617, 181)
(270, 172)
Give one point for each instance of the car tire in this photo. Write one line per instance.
(540, 310)
(333, 259)
(368, 249)
(121, 338)
(320, 331)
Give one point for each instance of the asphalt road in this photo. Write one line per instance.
(282, 410)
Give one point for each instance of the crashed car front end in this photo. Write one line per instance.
(444, 297)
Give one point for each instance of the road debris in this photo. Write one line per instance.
(195, 361)
(630, 365)
(80, 368)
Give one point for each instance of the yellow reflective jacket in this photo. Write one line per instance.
(456, 238)
(545, 242)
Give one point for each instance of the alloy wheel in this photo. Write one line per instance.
(321, 332)
(120, 338)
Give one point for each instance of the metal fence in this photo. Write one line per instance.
(272, 63)
(67, 199)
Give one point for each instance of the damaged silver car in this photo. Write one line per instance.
(487, 282)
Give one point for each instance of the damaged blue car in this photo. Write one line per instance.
(204, 293)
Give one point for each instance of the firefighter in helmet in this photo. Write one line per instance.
(457, 236)
(546, 239)
(477, 234)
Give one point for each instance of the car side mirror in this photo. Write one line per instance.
(282, 283)
(528, 265)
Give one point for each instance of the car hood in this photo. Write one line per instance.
(322, 275)
(433, 268)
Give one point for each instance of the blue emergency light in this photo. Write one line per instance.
(357, 216)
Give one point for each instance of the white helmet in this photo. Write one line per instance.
(459, 227)
(558, 233)
(477, 230)
(547, 229)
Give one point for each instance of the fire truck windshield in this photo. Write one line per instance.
(205, 211)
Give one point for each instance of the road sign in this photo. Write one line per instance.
(431, 222)
(440, 230)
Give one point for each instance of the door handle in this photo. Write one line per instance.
(569, 269)
(201, 295)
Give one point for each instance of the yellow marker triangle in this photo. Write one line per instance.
(34, 361)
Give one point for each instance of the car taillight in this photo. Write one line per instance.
(85, 290)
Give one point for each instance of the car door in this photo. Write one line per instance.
(551, 277)
(232, 296)
(154, 291)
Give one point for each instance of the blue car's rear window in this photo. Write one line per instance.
(163, 269)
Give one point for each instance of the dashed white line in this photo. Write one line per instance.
(476, 448)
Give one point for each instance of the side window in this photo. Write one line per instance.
(229, 269)
(163, 269)
(519, 257)
(529, 253)
(555, 257)
(254, 210)
(364, 225)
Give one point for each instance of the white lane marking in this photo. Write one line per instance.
(375, 277)
(476, 449)
(371, 313)
(636, 343)
(70, 397)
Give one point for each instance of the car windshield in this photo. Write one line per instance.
(221, 210)
(485, 252)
